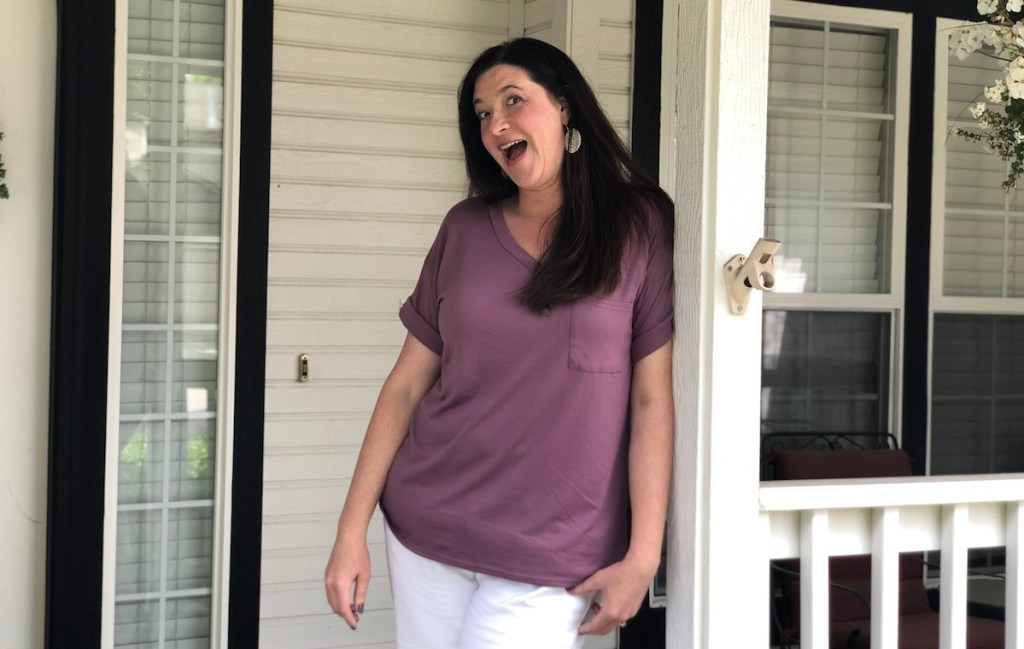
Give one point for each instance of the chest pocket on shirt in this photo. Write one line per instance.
(600, 335)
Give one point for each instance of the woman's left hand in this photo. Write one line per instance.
(623, 586)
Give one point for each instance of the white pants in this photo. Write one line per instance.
(441, 607)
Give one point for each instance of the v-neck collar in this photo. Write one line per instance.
(505, 238)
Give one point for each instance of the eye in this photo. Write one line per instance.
(513, 100)
(483, 114)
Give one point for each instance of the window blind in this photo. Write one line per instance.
(828, 168)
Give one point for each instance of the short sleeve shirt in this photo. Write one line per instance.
(515, 461)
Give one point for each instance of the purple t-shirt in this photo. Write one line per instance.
(515, 462)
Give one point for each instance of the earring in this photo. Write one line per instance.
(573, 140)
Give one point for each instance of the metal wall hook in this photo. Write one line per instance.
(743, 273)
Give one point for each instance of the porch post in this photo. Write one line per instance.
(718, 570)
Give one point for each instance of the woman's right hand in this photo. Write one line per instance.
(349, 565)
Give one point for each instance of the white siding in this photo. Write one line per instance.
(27, 80)
(615, 63)
(539, 20)
(366, 160)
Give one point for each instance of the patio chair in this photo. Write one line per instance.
(832, 456)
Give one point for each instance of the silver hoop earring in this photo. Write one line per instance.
(573, 140)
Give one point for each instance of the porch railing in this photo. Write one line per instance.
(883, 517)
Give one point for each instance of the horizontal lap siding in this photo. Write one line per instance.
(365, 162)
(615, 63)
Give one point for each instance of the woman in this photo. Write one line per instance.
(521, 446)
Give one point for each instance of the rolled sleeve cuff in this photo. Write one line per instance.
(651, 340)
(420, 328)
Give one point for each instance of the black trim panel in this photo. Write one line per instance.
(647, 629)
(645, 122)
(79, 330)
(251, 332)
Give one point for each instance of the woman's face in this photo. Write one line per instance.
(521, 126)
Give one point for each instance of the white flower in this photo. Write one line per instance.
(977, 110)
(1015, 78)
(994, 93)
(975, 38)
(986, 7)
(1014, 5)
(1018, 136)
(999, 37)
(965, 41)
(1018, 34)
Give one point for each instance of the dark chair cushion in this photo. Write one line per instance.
(822, 465)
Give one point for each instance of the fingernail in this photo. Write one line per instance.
(360, 608)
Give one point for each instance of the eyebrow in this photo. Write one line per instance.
(503, 90)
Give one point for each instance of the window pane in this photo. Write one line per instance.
(855, 77)
(825, 371)
(137, 624)
(141, 462)
(171, 104)
(829, 159)
(977, 394)
(200, 28)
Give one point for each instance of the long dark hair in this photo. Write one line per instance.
(607, 197)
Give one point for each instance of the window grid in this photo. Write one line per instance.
(859, 201)
(171, 600)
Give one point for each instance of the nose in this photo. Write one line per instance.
(498, 123)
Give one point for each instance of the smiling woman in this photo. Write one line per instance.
(520, 448)
(522, 126)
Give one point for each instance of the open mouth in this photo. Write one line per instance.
(513, 150)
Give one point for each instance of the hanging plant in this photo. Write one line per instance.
(3, 172)
(1001, 116)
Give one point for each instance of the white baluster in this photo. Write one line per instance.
(814, 579)
(953, 582)
(885, 573)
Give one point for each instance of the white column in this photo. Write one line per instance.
(717, 134)
(576, 27)
(516, 18)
